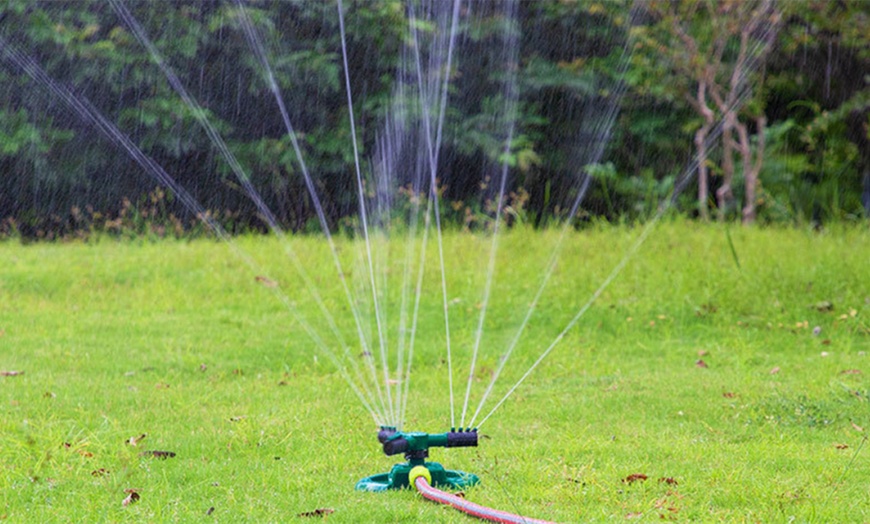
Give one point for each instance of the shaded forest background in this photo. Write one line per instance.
(772, 97)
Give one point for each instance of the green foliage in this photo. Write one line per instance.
(17, 134)
(577, 65)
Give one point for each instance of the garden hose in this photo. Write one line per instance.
(421, 483)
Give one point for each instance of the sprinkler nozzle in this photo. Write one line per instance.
(385, 433)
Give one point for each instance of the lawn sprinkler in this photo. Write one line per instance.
(415, 445)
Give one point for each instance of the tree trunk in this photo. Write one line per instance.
(701, 145)
(751, 167)
(725, 195)
(703, 176)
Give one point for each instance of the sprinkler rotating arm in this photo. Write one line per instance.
(417, 444)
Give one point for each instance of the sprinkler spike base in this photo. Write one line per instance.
(415, 446)
(397, 478)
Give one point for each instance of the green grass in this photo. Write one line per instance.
(111, 338)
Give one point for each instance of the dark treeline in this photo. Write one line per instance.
(772, 97)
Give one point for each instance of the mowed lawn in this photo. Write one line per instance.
(703, 385)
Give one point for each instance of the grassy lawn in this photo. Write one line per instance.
(739, 391)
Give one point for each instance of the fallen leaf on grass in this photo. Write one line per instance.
(635, 515)
(774, 371)
(48, 394)
(825, 306)
(841, 446)
(319, 512)
(102, 472)
(10, 373)
(701, 364)
(161, 385)
(158, 454)
(706, 309)
(266, 281)
(729, 394)
(135, 440)
(826, 342)
(791, 495)
(79, 449)
(237, 419)
(635, 477)
(662, 503)
(850, 372)
(49, 481)
(132, 496)
(852, 314)
(669, 481)
(857, 427)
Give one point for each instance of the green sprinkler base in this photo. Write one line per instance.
(415, 446)
(397, 478)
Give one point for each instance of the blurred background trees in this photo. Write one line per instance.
(772, 97)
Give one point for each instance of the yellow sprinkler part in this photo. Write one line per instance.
(419, 471)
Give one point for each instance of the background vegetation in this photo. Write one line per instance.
(801, 127)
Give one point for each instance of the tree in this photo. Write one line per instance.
(818, 98)
(711, 54)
